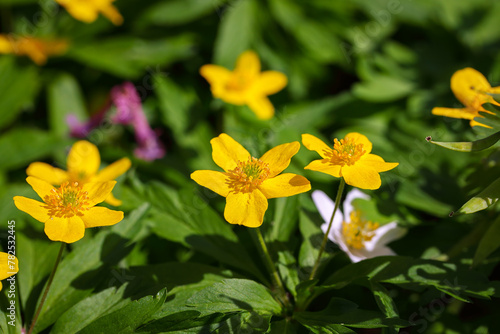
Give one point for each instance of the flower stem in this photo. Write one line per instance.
(325, 238)
(49, 283)
(272, 268)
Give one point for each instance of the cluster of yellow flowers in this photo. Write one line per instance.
(248, 182)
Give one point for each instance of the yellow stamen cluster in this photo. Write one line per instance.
(358, 231)
(67, 201)
(248, 175)
(345, 152)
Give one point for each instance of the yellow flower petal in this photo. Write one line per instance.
(246, 209)
(98, 191)
(463, 113)
(285, 185)
(112, 14)
(324, 166)
(361, 176)
(83, 160)
(315, 144)
(34, 208)
(114, 170)
(215, 74)
(101, 216)
(376, 162)
(67, 230)
(9, 265)
(41, 187)
(279, 157)
(215, 181)
(6, 44)
(467, 85)
(360, 139)
(270, 82)
(112, 200)
(249, 64)
(226, 152)
(46, 172)
(261, 106)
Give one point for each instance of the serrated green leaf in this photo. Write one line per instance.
(385, 303)
(235, 295)
(483, 200)
(128, 318)
(489, 243)
(473, 146)
(83, 268)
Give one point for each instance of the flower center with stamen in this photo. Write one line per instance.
(358, 231)
(247, 175)
(67, 201)
(345, 152)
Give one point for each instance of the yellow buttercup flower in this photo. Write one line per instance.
(83, 167)
(66, 211)
(9, 266)
(471, 88)
(37, 49)
(349, 158)
(88, 10)
(248, 182)
(246, 85)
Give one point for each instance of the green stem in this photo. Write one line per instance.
(49, 283)
(272, 268)
(325, 238)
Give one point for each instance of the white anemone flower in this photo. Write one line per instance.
(359, 238)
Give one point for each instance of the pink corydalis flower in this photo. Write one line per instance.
(127, 103)
(128, 111)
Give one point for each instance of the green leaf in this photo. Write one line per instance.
(128, 318)
(178, 12)
(309, 250)
(64, 98)
(483, 200)
(86, 265)
(287, 268)
(489, 243)
(182, 216)
(236, 32)
(235, 295)
(456, 280)
(284, 326)
(89, 309)
(175, 104)
(340, 313)
(247, 322)
(383, 89)
(129, 58)
(473, 146)
(385, 303)
(19, 87)
(285, 219)
(21, 146)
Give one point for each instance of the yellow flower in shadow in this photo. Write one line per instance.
(9, 266)
(246, 85)
(83, 167)
(88, 10)
(349, 158)
(67, 210)
(37, 49)
(471, 88)
(248, 182)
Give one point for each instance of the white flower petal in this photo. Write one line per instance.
(384, 235)
(351, 196)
